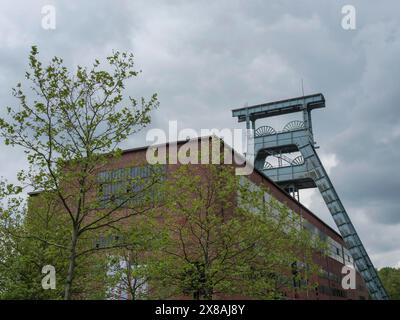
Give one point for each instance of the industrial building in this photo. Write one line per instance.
(283, 182)
(330, 278)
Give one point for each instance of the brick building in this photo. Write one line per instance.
(329, 281)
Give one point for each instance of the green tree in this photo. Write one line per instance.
(22, 258)
(391, 281)
(225, 238)
(130, 269)
(69, 131)
(36, 235)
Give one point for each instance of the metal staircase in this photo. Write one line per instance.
(305, 171)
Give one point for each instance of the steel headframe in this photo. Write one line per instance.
(308, 173)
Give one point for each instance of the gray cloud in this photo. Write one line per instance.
(204, 58)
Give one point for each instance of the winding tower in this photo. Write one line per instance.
(305, 170)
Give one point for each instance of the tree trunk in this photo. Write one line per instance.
(71, 267)
(209, 294)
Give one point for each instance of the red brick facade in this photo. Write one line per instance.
(329, 284)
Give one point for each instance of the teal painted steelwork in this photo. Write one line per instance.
(307, 171)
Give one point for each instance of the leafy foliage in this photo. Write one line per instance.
(69, 130)
(224, 239)
(391, 281)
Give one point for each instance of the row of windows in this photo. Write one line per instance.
(335, 249)
(332, 291)
(107, 241)
(123, 174)
(276, 213)
(330, 276)
(131, 186)
(340, 253)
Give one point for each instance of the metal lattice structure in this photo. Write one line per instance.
(264, 131)
(267, 165)
(298, 161)
(305, 171)
(293, 125)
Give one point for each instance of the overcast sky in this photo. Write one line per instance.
(204, 58)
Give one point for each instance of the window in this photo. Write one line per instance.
(324, 290)
(130, 186)
(107, 241)
(335, 250)
(334, 277)
(338, 293)
(324, 274)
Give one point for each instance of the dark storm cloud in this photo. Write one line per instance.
(204, 58)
